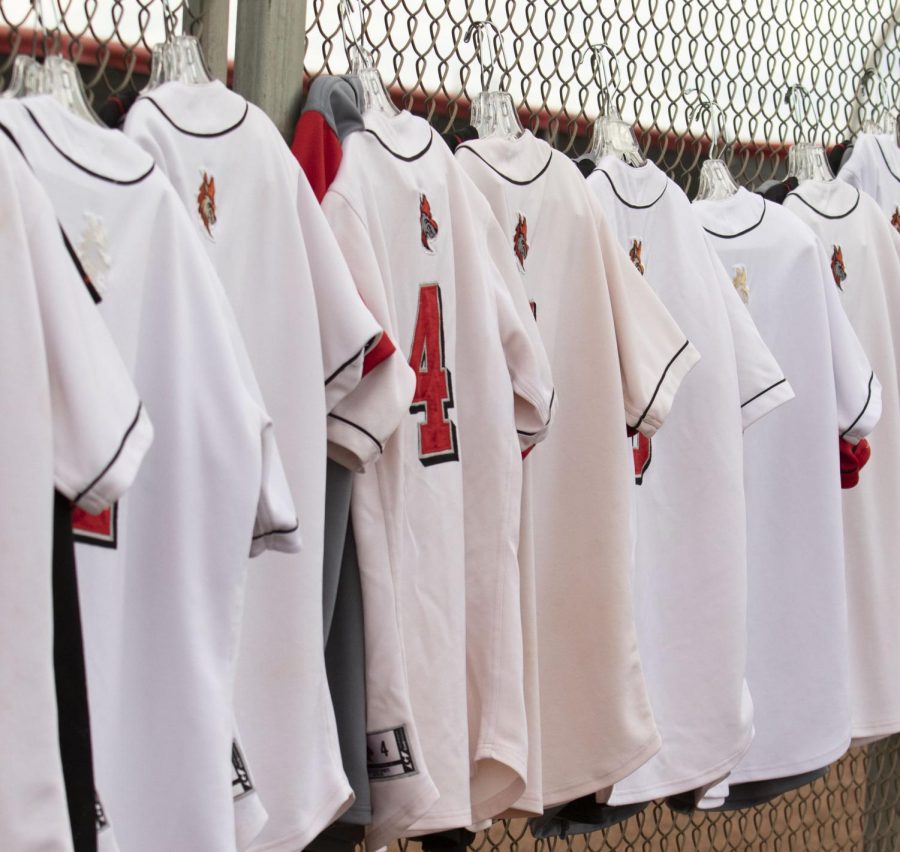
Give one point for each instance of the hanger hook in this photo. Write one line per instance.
(714, 124)
(356, 53)
(475, 34)
(605, 76)
(168, 20)
(801, 105)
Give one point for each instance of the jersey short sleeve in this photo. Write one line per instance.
(654, 354)
(101, 430)
(761, 382)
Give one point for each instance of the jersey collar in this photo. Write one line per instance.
(732, 217)
(404, 135)
(638, 187)
(519, 161)
(832, 199)
(884, 156)
(205, 110)
(102, 153)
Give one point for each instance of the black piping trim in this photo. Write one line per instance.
(884, 157)
(628, 203)
(816, 210)
(79, 266)
(115, 458)
(292, 529)
(369, 435)
(391, 151)
(507, 177)
(740, 233)
(13, 139)
(864, 408)
(549, 418)
(85, 169)
(662, 378)
(763, 392)
(187, 132)
(344, 366)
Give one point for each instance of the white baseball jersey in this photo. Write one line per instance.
(431, 263)
(797, 657)
(863, 252)
(618, 359)
(690, 568)
(306, 330)
(161, 574)
(72, 421)
(874, 167)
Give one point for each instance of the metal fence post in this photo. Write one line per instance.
(268, 62)
(213, 16)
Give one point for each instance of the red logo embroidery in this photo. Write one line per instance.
(427, 224)
(642, 449)
(100, 530)
(895, 219)
(206, 202)
(838, 270)
(635, 254)
(520, 241)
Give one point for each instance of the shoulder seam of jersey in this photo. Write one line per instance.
(763, 392)
(85, 169)
(628, 203)
(887, 164)
(662, 378)
(115, 457)
(186, 132)
(740, 233)
(504, 176)
(359, 428)
(864, 408)
(799, 197)
(399, 156)
(547, 424)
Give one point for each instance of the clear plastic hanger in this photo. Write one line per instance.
(612, 135)
(26, 72)
(806, 160)
(716, 182)
(60, 77)
(178, 59)
(362, 62)
(493, 113)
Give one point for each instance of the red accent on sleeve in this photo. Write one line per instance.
(853, 459)
(318, 150)
(526, 452)
(629, 432)
(380, 352)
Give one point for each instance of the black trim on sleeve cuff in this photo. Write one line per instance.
(662, 378)
(115, 458)
(763, 392)
(292, 529)
(369, 435)
(347, 363)
(864, 408)
(547, 424)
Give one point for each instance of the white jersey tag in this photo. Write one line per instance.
(389, 754)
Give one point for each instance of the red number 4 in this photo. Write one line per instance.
(434, 384)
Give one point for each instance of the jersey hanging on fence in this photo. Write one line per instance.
(690, 535)
(797, 663)
(211, 483)
(865, 270)
(619, 360)
(432, 265)
(874, 167)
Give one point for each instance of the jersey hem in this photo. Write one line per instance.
(489, 807)
(440, 822)
(563, 795)
(397, 823)
(860, 734)
(313, 827)
(710, 776)
(786, 770)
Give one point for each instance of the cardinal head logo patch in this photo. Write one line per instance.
(838, 270)
(206, 202)
(739, 281)
(895, 219)
(93, 252)
(635, 254)
(427, 223)
(520, 241)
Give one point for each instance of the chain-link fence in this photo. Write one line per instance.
(745, 52)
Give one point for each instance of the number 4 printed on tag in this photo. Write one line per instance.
(434, 384)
